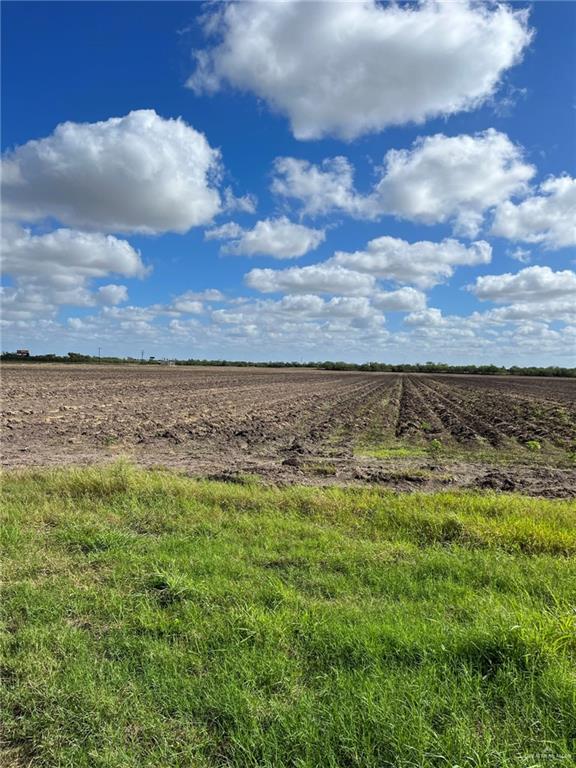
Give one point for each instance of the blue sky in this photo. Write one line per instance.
(445, 231)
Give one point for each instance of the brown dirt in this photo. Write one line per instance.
(297, 426)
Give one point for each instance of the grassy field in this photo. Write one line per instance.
(153, 620)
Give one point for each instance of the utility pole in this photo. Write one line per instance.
(142, 356)
(99, 354)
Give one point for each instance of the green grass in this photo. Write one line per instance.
(154, 621)
(390, 452)
(510, 453)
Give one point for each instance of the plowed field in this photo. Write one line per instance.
(404, 431)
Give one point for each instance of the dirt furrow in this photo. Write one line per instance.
(293, 425)
(464, 424)
(416, 417)
(515, 415)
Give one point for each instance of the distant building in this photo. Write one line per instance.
(23, 352)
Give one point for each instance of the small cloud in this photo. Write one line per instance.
(112, 294)
(520, 254)
(279, 238)
(243, 204)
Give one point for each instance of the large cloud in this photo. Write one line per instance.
(302, 322)
(56, 268)
(439, 179)
(548, 218)
(331, 278)
(548, 310)
(311, 306)
(317, 278)
(138, 173)
(422, 263)
(279, 238)
(533, 284)
(64, 251)
(452, 178)
(504, 335)
(349, 68)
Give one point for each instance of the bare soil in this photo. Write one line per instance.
(297, 426)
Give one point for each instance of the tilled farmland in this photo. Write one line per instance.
(298, 426)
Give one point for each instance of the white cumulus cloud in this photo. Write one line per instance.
(279, 238)
(319, 188)
(440, 179)
(423, 263)
(452, 179)
(188, 306)
(209, 295)
(549, 310)
(402, 300)
(317, 278)
(311, 306)
(56, 268)
(112, 294)
(350, 68)
(425, 318)
(243, 203)
(548, 218)
(67, 252)
(138, 173)
(532, 284)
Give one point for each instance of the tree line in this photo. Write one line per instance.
(327, 365)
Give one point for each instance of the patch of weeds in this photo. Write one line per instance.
(410, 475)
(121, 478)
(534, 446)
(167, 587)
(435, 449)
(391, 452)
